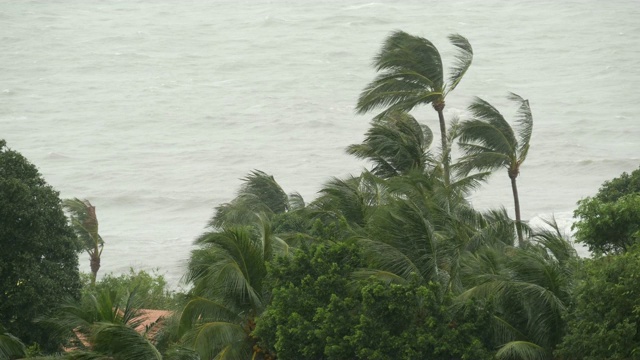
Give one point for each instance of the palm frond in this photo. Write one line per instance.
(122, 342)
(259, 193)
(523, 350)
(463, 60)
(296, 202)
(489, 130)
(10, 346)
(229, 263)
(219, 340)
(524, 119)
(203, 309)
(385, 258)
(404, 51)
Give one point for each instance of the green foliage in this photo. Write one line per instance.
(395, 144)
(10, 346)
(38, 256)
(301, 286)
(415, 322)
(529, 289)
(623, 185)
(259, 194)
(605, 317)
(610, 221)
(317, 312)
(105, 325)
(151, 288)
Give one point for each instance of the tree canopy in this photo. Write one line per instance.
(38, 257)
(609, 222)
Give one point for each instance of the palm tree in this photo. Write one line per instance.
(488, 143)
(529, 288)
(104, 327)
(395, 144)
(420, 233)
(411, 74)
(227, 273)
(260, 193)
(85, 224)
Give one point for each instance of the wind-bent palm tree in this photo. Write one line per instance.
(259, 194)
(411, 74)
(104, 327)
(85, 224)
(489, 143)
(530, 289)
(227, 272)
(396, 144)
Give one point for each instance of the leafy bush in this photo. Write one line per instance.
(151, 288)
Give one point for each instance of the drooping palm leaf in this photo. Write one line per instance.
(219, 340)
(524, 119)
(522, 350)
(203, 309)
(463, 60)
(122, 342)
(10, 346)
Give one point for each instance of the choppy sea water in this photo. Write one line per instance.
(155, 110)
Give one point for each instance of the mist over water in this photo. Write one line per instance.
(155, 110)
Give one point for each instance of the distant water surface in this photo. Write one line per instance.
(155, 110)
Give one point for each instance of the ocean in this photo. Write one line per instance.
(154, 110)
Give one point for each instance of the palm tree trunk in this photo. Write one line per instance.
(443, 137)
(516, 203)
(94, 261)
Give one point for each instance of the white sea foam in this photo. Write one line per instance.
(154, 111)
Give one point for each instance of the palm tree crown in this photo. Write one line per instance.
(411, 74)
(85, 224)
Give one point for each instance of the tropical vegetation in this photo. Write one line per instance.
(391, 263)
(84, 222)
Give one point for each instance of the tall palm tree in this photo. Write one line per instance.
(488, 142)
(85, 224)
(411, 74)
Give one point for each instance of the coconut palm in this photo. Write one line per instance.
(104, 326)
(85, 224)
(411, 74)
(395, 144)
(227, 273)
(529, 288)
(353, 200)
(420, 233)
(260, 193)
(488, 142)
